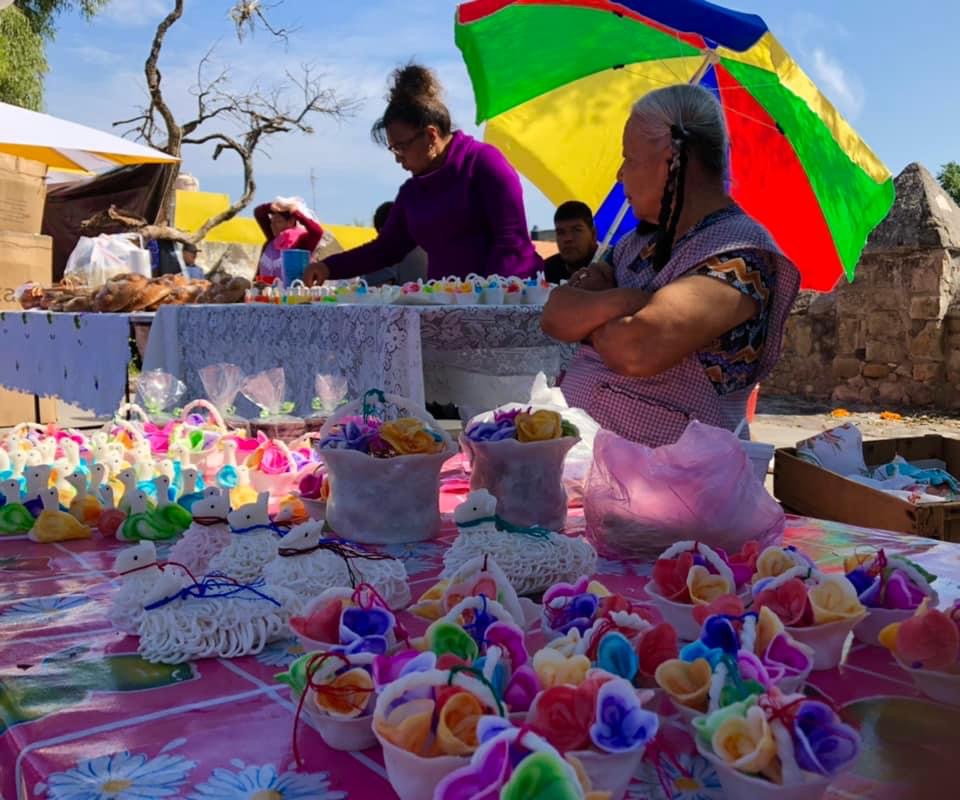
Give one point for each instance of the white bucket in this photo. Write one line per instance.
(760, 456)
(139, 263)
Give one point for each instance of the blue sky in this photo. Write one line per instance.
(889, 67)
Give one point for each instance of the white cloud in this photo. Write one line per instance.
(135, 13)
(844, 90)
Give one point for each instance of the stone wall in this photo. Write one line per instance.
(892, 337)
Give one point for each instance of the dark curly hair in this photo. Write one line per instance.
(415, 99)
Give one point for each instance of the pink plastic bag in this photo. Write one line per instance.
(641, 500)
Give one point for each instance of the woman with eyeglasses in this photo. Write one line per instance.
(288, 225)
(463, 205)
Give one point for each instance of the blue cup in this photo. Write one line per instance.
(294, 265)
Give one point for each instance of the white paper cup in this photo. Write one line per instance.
(941, 686)
(610, 772)
(826, 641)
(876, 620)
(535, 295)
(679, 615)
(513, 298)
(493, 297)
(414, 777)
(740, 786)
(346, 735)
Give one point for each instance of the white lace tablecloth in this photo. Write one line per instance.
(473, 356)
(80, 358)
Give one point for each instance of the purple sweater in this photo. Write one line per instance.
(468, 215)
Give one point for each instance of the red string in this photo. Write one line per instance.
(161, 565)
(316, 661)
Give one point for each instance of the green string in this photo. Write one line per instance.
(369, 409)
(454, 671)
(534, 531)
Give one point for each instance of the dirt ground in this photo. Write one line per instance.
(784, 422)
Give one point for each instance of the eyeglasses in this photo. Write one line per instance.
(401, 147)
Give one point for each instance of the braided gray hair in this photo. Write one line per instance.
(691, 118)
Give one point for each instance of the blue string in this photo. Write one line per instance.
(214, 587)
(534, 531)
(271, 527)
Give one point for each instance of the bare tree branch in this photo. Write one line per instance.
(246, 118)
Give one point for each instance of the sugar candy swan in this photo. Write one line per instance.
(14, 516)
(307, 564)
(532, 558)
(253, 542)
(54, 525)
(137, 569)
(207, 535)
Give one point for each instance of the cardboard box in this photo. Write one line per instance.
(806, 489)
(23, 257)
(23, 193)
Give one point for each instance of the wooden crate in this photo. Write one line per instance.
(806, 489)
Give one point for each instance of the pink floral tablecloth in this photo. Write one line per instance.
(82, 717)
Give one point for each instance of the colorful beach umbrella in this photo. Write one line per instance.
(554, 81)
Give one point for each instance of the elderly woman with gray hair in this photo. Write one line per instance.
(684, 321)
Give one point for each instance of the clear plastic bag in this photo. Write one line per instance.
(97, 260)
(159, 391)
(640, 500)
(222, 383)
(266, 390)
(385, 500)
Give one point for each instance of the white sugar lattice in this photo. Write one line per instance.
(304, 577)
(192, 628)
(199, 544)
(531, 564)
(244, 558)
(139, 573)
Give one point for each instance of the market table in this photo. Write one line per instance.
(80, 358)
(83, 717)
(478, 356)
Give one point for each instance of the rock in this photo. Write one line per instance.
(923, 215)
(924, 373)
(875, 370)
(850, 335)
(885, 352)
(844, 395)
(801, 336)
(857, 382)
(925, 308)
(822, 305)
(844, 368)
(928, 342)
(926, 279)
(920, 395)
(885, 325)
(891, 393)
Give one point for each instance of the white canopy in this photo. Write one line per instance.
(68, 146)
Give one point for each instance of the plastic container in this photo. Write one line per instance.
(525, 477)
(941, 686)
(760, 455)
(293, 265)
(365, 505)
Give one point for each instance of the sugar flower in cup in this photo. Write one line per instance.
(777, 745)
(736, 656)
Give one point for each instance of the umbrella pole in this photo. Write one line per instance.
(710, 58)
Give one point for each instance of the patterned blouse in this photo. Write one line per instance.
(732, 360)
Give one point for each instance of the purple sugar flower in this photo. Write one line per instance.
(823, 744)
